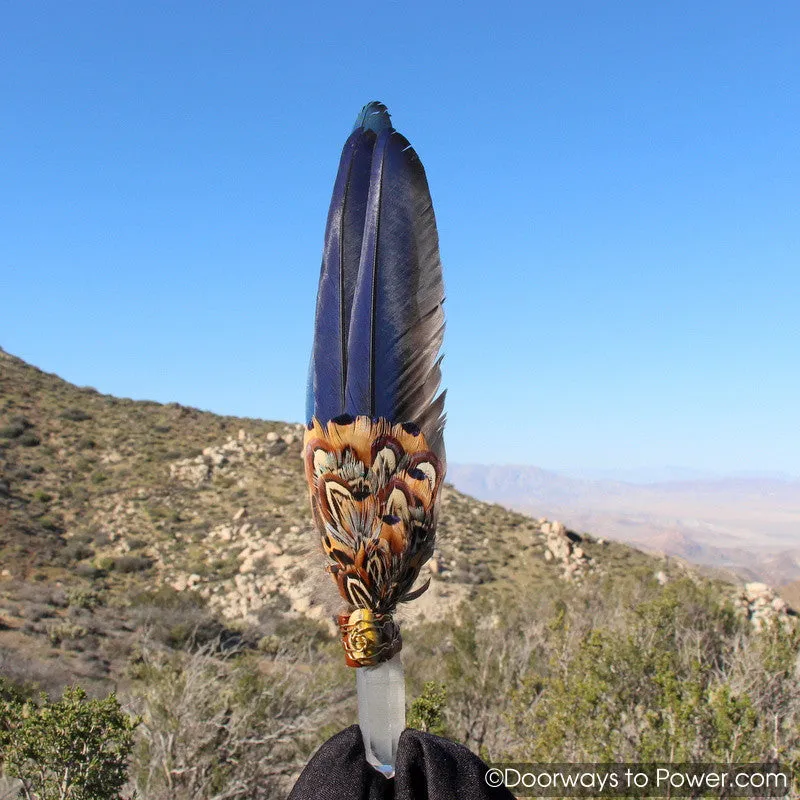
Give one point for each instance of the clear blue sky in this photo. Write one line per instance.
(616, 185)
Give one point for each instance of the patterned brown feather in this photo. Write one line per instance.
(374, 490)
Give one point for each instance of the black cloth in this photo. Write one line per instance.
(427, 768)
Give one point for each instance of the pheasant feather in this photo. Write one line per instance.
(373, 450)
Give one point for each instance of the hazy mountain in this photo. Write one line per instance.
(641, 474)
(747, 523)
(668, 474)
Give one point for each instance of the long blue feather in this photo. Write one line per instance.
(397, 322)
(340, 261)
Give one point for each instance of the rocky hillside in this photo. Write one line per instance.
(122, 518)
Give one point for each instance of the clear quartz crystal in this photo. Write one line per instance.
(382, 711)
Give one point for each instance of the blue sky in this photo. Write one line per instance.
(616, 186)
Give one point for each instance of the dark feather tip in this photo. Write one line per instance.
(343, 419)
(374, 117)
(411, 428)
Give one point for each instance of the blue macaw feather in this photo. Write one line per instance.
(340, 260)
(380, 321)
(397, 322)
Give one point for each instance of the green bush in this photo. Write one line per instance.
(425, 713)
(70, 749)
(674, 684)
(29, 439)
(75, 415)
(179, 620)
(11, 431)
(65, 630)
(11, 692)
(77, 551)
(131, 563)
(167, 597)
(136, 544)
(87, 571)
(15, 428)
(157, 513)
(80, 597)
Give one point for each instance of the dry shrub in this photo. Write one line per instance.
(225, 726)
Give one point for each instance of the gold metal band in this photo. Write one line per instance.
(368, 638)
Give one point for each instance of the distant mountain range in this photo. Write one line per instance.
(749, 523)
(670, 474)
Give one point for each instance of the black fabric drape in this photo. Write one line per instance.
(428, 768)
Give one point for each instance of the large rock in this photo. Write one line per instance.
(763, 607)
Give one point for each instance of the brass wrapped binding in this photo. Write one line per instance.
(368, 638)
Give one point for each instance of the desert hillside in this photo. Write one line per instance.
(166, 553)
(135, 501)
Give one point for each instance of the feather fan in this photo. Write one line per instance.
(374, 452)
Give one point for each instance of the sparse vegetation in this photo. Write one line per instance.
(223, 726)
(139, 520)
(617, 671)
